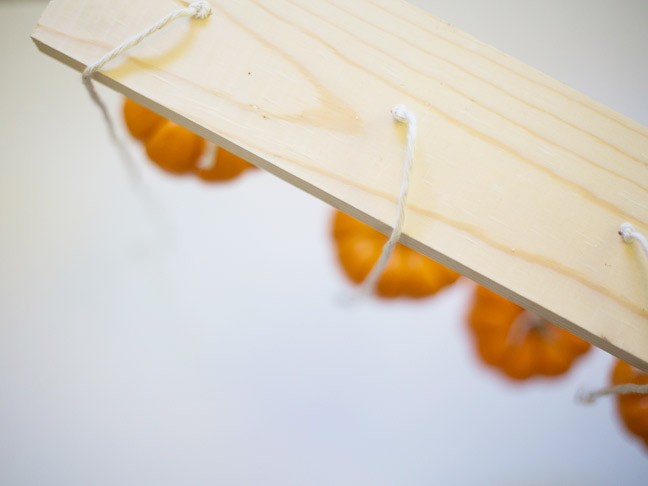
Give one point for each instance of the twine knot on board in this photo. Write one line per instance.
(626, 231)
(629, 234)
(203, 10)
(401, 113)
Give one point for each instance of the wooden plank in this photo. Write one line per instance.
(520, 182)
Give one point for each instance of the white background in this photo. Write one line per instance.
(215, 353)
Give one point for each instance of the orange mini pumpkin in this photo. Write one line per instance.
(632, 407)
(172, 147)
(225, 166)
(517, 341)
(408, 273)
(176, 149)
(141, 122)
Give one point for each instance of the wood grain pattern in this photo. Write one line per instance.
(520, 182)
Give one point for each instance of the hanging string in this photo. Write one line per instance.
(198, 10)
(628, 235)
(210, 158)
(402, 115)
(624, 389)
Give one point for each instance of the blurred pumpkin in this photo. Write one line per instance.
(225, 166)
(632, 407)
(518, 342)
(140, 121)
(176, 149)
(407, 274)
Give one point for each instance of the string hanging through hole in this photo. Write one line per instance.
(403, 115)
(198, 10)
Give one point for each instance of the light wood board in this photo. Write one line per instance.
(520, 182)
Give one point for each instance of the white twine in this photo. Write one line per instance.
(403, 115)
(209, 158)
(628, 234)
(623, 389)
(198, 10)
